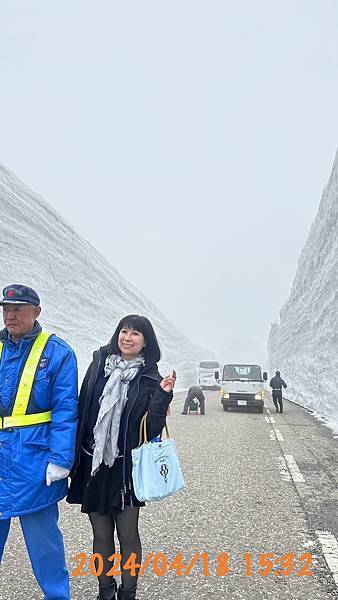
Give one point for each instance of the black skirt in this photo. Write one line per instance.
(103, 492)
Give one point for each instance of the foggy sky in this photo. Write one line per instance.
(188, 140)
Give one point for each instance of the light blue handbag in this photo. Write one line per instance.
(156, 469)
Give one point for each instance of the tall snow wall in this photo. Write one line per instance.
(82, 295)
(303, 344)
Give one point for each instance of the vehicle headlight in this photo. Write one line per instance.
(226, 395)
(258, 396)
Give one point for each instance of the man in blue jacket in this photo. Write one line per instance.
(38, 420)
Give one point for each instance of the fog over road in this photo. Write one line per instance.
(256, 483)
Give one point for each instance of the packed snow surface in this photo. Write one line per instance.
(303, 344)
(83, 296)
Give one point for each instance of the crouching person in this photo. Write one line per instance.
(38, 420)
(195, 391)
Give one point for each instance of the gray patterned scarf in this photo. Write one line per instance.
(112, 403)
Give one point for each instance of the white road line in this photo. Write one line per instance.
(275, 434)
(279, 435)
(329, 546)
(294, 469)
(267, 419)
(272, 420)
(283, 469)
(289, 469)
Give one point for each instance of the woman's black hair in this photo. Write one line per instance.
(151, 352)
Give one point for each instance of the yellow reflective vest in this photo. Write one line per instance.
(19, 418)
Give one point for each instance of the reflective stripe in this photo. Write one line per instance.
(25, 420)
(18, 418)
(27, 377)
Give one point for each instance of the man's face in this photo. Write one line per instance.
(19, 318)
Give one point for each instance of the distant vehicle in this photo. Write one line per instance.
(242, 385)
(206, 375)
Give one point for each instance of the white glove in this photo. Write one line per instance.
(55, 473)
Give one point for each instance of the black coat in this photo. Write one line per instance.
(144, 395)
(277, 383)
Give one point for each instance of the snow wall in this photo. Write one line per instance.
(83, 296)
(303, 343)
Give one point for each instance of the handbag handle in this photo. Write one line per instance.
(143, 430)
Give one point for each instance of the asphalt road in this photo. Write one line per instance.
(256, 484)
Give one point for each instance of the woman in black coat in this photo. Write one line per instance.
(121, 385)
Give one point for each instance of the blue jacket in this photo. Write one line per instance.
(26, 451)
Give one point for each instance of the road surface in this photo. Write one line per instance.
(257, 484)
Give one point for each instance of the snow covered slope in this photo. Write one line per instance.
(83, 297)
(303, 344)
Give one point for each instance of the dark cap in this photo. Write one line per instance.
(19, 294)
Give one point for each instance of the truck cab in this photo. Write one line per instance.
(242, 385)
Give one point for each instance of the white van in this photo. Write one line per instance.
(242, 385)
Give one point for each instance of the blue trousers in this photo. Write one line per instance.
(45, 547)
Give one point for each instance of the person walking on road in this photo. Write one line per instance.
(277, 383)
(122, 384)
(38, 420)
(195, 391)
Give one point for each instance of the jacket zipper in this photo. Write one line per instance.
(84, 414)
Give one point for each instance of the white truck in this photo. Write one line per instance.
(242, 385)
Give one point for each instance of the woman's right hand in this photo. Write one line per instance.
(168, 382)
